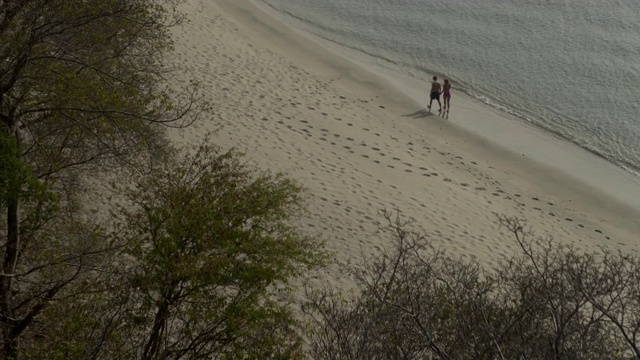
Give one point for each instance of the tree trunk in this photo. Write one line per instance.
(151, 347)
(9, 263)
(6, 281)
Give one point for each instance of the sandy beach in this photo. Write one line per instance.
(360, 142)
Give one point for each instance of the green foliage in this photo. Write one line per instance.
(86, 82)
(82, 88)
(76, 259)
(16, 178)
(18, 184)
(213, 251)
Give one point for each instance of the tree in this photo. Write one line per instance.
(413, 301)
(211, 257)
(81, 89)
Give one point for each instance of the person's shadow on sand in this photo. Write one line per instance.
(420, 114)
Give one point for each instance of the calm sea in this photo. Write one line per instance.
(571, 67)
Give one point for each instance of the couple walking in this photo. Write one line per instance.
(437, 89)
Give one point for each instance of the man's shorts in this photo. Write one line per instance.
(435, 95)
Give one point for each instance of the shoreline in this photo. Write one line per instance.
(360, 145)
(502, 131)
(506, 130)
(409, 79)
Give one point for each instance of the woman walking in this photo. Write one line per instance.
(446, 91)
(446, 94)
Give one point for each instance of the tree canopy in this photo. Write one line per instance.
(81, 88)
(208, 258)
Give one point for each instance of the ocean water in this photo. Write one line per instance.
(571, 67)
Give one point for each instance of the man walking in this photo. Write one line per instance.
(435, 92)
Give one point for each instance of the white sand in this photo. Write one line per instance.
(344, 133)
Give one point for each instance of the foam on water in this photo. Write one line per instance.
(571, 67)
